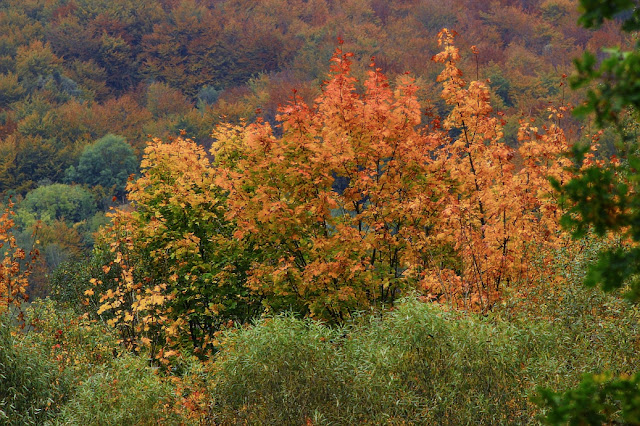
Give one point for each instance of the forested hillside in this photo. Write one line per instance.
(318, 212)
(75, 72)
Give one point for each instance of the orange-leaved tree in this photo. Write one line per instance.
(500, 215)
(342, 203)
(455, 212)
(349, 204)
(15, 267)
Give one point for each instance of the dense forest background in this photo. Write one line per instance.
(191, 237)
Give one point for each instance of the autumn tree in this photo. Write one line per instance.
(331, 252)
(10, 89)
(452, 217)
(35, 161)
(179, 274)
(14, 267)
(184, 51)
(35, 64)
(501, 220)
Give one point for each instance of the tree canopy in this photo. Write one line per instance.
(107, 163)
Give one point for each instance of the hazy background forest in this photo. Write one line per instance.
(309, 212)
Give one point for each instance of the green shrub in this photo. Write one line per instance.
(415, 365)
(108, 163)
(281, 371)
(124, 392)
(429, 366)
(53, 202)
(30, 387)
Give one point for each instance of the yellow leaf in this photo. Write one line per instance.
(104, 307)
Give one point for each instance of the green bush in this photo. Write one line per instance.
(125, 392)
(416, 365)
(49, 203)
(434, 367)
(108, 163)
(280, 372)
(30, 387)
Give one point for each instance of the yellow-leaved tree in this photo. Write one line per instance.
(176, 274)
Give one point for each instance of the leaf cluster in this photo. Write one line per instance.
(598, 399)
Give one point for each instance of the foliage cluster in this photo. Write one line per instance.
(598, 399)
(417, 365)
(459, 218)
